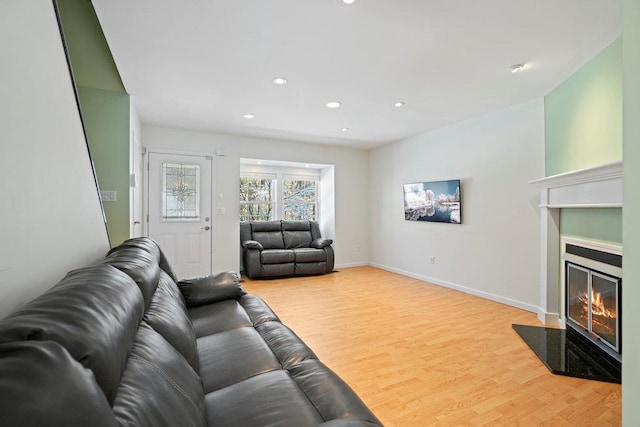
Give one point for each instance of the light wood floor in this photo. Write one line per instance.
(420, 354)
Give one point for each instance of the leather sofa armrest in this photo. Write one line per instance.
(213, 288)
(252, 244)
(321, 243)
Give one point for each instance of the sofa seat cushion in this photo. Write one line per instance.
(277, 256)
(285, 344)
(310, 255)
(275, 400)
(332, 397)
(257, 310)
(219, 317)
(228, 357)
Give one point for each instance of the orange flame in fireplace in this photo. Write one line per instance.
(597, 305)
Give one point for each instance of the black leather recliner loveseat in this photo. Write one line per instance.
(284, 248)
(120, 343)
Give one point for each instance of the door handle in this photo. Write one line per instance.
(207, 228)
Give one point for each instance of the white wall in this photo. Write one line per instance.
(495, 252)
(50, 216)
(136, 192)
(351, 186)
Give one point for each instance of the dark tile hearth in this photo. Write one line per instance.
(567, 352)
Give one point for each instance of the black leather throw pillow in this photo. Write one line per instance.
(205, 290)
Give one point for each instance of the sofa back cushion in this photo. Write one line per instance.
(268, 233)
(140, 264)
(167, 315)
(93, 313)
(41, 384)
(151, 246)
(158, 386)
(296, 234)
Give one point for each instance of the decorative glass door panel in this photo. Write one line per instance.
(180, 192)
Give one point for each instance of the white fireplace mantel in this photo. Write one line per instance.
(597, 187)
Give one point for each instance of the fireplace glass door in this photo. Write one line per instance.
(592, 303)
(578, 295)
(604, 308)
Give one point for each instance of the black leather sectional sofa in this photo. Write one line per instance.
(121, 343)
(284, 248)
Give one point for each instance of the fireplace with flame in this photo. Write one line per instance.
(593, 306)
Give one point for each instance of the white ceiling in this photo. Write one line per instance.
(203, 64)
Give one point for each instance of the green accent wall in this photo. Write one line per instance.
(593, 224)
(583, 128)
(583, 116)
(106, 122)
(104, 105)
(93, 65)
(630, 223)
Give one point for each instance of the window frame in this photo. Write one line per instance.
(274, 193)
(306, 178)
(279, 174)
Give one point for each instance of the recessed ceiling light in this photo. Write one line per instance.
(334, 104)
(280, 81)
(306, 166)
(248, 116)
(259, 162)
(398, 104)
(345, 129)
(517, 67)
(348, 1)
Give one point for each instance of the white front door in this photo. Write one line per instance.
(180, 208)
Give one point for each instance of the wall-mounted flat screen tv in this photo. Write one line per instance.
(435, 201)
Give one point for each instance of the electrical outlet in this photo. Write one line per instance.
(358, 249)
(432, 260)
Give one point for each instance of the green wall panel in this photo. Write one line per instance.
(583, 128)
(593, 224)
(583, 116)
(105, 109)
(106, 120)
(93, 65)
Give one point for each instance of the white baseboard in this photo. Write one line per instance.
(550, 319)
(352, 264)
(465, 289)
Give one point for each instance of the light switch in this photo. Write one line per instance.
(108, 195)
